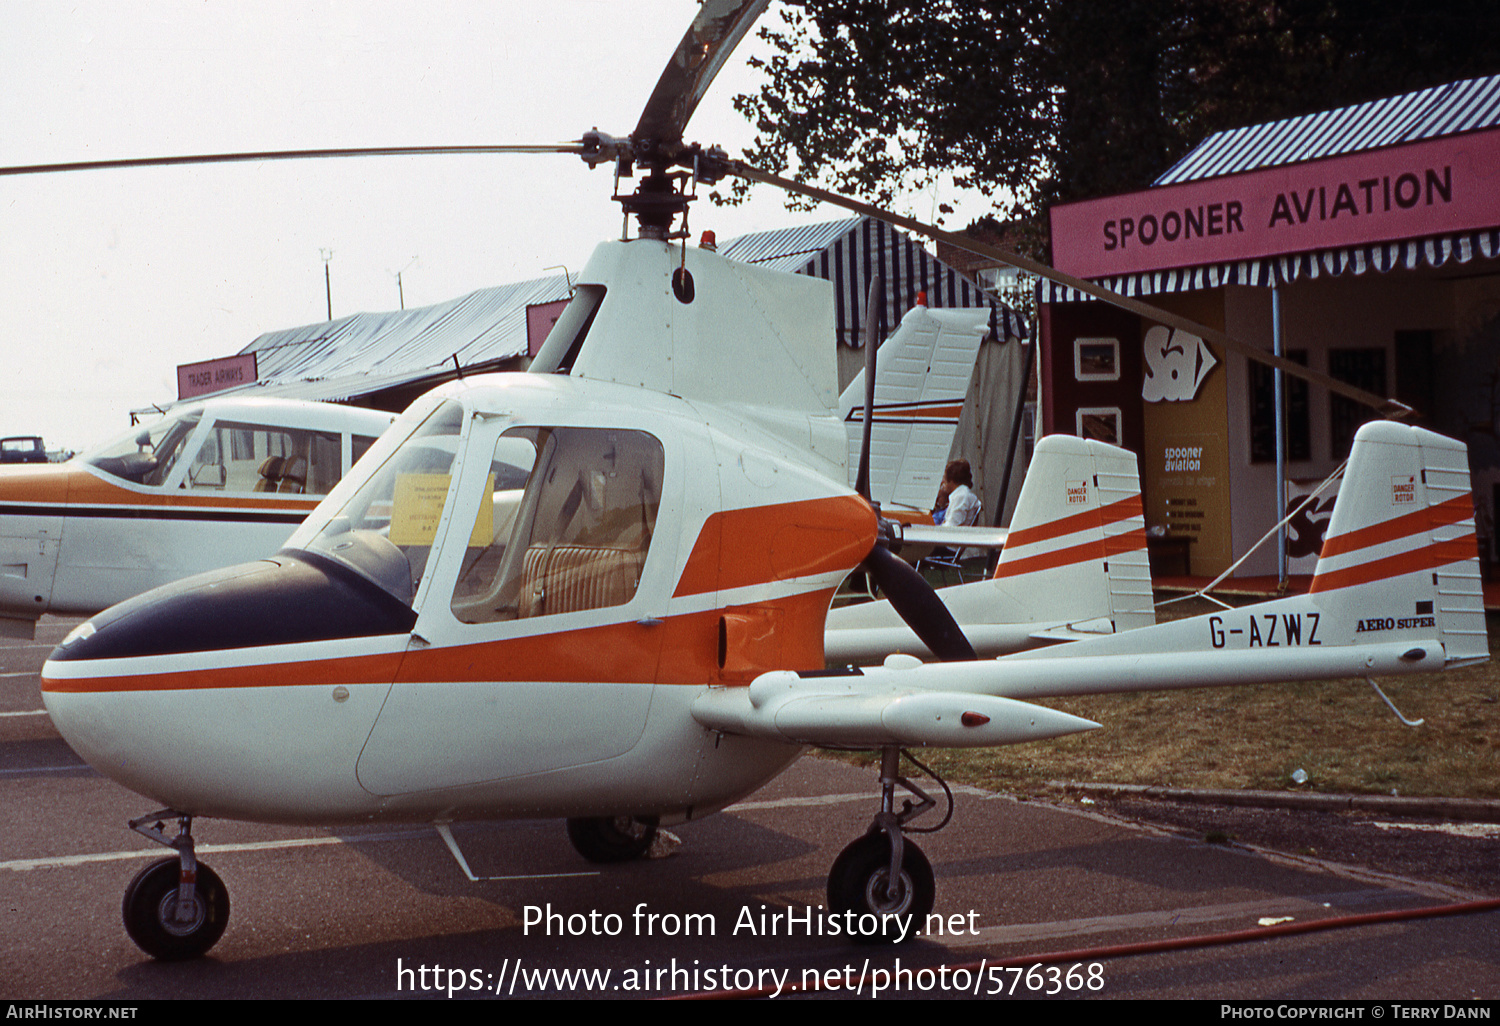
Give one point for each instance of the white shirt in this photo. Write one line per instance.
(963, 508)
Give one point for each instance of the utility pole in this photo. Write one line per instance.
(327, 255)
(399, 290)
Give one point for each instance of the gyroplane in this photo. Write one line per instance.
(207, 485)
(598, 592)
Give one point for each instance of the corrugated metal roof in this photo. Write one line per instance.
(788, 249)
(379, 350)
(1465, 106)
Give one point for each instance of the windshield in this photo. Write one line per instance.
(385, 530)
(147, 455)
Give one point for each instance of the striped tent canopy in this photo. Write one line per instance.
(848, 253)
(1377, 258)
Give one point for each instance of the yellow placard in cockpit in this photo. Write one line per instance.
(416, 507)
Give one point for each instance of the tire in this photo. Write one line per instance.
(612, 838)
(150, 908)
(857, 883)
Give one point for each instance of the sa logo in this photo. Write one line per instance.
(1305, 529)
(1176, 364)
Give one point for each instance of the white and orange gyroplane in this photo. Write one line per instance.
(210, 484)
(599, 592)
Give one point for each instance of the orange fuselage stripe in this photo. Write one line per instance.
(681, 649)
(738, 548)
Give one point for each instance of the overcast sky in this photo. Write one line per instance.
(109, 280)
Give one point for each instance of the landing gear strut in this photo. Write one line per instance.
(882, 873)
(176, 908)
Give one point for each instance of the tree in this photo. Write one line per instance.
(1043, 101)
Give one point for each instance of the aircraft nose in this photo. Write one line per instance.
(281, 601)
(173, 693)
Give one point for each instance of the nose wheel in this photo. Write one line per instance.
(882, 874)
(176, 908)
(609, 839)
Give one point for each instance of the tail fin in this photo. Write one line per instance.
(925, 367)
(1404, 521)
(1075, 556)
(1077, 544)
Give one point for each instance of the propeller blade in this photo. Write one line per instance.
(236, 158)
(1391, 408)
(915, 602)
(707, 44)
(862, 482)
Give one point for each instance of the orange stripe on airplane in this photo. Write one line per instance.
(741, 547)
(1429, 557)
(1099, 548)
(784, 634)
(1124, 509)
(1456, 509)
(374, 669)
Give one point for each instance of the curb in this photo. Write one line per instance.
(1466, 809)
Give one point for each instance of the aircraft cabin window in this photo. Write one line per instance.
(570, 532)
(386, 528)
(261, 458)
(148, 454)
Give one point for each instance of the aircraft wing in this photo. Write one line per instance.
(855, 711)
(983, 703)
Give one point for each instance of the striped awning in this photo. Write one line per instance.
(1467, 106)
(849, 253)
(1378, 258)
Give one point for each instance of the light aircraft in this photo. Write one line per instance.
(211, 484)
(598, 592)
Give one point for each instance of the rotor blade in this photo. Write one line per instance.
(707, 44)
(862, 482)
(915, 602)
(1388, 407)
(237, 158)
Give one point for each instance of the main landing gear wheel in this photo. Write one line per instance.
(166, 928)
(612, 838)
(859, 882)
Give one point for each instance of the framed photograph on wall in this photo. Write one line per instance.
(1101, 423)
(1096, 359)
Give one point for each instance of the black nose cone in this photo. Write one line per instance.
(294, 597)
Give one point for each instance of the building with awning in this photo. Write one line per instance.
(1375, 228)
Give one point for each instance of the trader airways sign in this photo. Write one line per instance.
(1447, 185)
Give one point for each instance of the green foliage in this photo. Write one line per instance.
(1040, 101)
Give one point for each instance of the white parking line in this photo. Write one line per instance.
(73, 861)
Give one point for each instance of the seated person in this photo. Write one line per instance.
(957, 505)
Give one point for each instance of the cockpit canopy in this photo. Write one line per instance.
(563, 522)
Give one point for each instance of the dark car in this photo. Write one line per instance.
(22, 449)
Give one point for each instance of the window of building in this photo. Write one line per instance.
(1363, 368)
(1263, 413)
